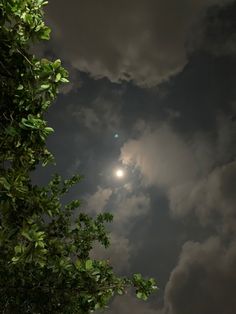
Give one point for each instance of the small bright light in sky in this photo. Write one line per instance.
(116, 135)
(120, 173)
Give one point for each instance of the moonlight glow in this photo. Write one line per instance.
(119, 173)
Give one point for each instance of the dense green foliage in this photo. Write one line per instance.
(44, 253)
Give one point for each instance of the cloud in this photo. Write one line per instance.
(132, 206)
(143, 41)
(190, 170)
(210, 198)
(197, 174)
(100, 115)
(126, 207)
(203, 280)
(126, 204)
(97, 202)
(118, 253)
(120, 250)
(129, 303)
(168, 158)
(162, 156)
(219, 34)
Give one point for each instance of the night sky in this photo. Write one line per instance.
(152, 93)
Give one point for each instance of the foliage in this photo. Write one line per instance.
(44, 253)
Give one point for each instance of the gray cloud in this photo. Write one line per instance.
(132, 206)
(99, 115)
(127, 304)
(126, 203)
(210, 198)
(197, 173)
(203, 280)
(168, 158)
(162, 156)
(218, 36)
(128, 206)
(143, 41)
(97, 202)
(187, 169)
(118, 253)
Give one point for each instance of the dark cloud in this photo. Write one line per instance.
(118, 253)
(197, 173)
(143, 41)
(218, 36)
(212, 199)
(130, 207)
(129, 303)
(203, 280)
(99, 115)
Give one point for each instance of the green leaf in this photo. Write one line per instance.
(56, 63)
(5, 183)
(78, 264)
(58, 77)
(25, 233)
(49, 129)
(64, 80)
(45, 86)
(141, 295)
(97, 306)
(137, 277)
(20, 87)
(15, 259)
(18, 249)
(46, 33)
(89, 264)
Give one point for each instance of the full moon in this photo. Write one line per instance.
(119, 173)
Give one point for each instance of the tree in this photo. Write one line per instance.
(44, 252)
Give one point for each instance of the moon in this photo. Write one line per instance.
(119, 173)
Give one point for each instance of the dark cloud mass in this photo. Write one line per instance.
(153, 91)
(143, 41)
(204, 280)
